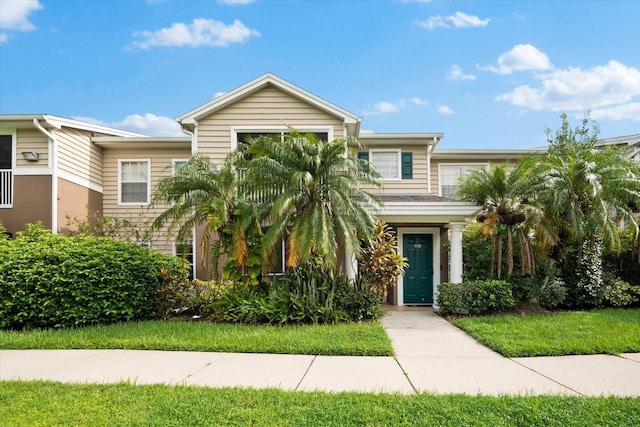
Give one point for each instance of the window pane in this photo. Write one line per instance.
(386, 163)
(449, 175)
(5, 151)
(184, 250)
(134, 192)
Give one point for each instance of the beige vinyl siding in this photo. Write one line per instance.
(32, 140)
(78, 156)
(161, 165)
(267, 107)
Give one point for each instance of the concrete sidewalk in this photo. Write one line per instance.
(431, 355)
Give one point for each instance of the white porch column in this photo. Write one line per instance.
(455, 261)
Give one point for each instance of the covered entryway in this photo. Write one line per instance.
(418, 278)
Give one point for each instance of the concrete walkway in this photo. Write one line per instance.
(431, 355)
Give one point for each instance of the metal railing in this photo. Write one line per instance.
(6, 188)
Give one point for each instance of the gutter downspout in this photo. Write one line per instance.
(54, 174)
(194, 250)
(430, 148)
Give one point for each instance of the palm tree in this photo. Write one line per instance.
(312, 195)
(587, 192)
(199, 193)
(507, 208)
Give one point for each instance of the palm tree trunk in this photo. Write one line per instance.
(493, 255)
(509, 251)
(499, 257)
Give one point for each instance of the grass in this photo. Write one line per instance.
(608, 331)
(352, 339)
(54, 404)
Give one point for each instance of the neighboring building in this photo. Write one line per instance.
(53, 168)
(629, 144)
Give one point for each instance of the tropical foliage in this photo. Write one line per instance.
(506, 210)
(380, 264)
(198, 194)
(312, 195)
(572, 204)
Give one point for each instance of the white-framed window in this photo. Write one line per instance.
(134, 181)
(449, 173)
(278, 267)
(387, 163)
(177, 163)
(185, 250)
(240, 133)
(7, 164)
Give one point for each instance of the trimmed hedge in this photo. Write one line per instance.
(475, 297)
(49, 280)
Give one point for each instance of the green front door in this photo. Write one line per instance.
(418, 277)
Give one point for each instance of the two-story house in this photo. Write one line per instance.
(53, 168)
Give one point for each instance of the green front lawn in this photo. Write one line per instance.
(53, 404)
(610, 331)
(352, 339)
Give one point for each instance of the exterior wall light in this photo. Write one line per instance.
(30, 156)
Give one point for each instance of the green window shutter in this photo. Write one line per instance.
(363, 156)
(407, 165)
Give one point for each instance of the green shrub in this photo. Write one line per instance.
(477, 253)
(307, 294)
(53, 280)
(621, 294)
(475, 297)
(553, 292)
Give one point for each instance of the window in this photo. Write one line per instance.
(387, 163)
(392, 165)
(134, 185)
(449, 174)
(178, 163)
(241, 135)
(277, 264)
(6, 174)
(184, 250)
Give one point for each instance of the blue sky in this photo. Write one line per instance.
(487, 74)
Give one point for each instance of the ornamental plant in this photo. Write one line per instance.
(380, 264)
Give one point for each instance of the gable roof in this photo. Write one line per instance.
(189, 119)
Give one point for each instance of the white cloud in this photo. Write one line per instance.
(201, 32)
(385, 107)
(418, 101)
(147, 124)
(458, 20)
(14, 16)
(433, 22)
(443, 109)
(522, 57)
(629, 111)
(575, 89)
(456, 74)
